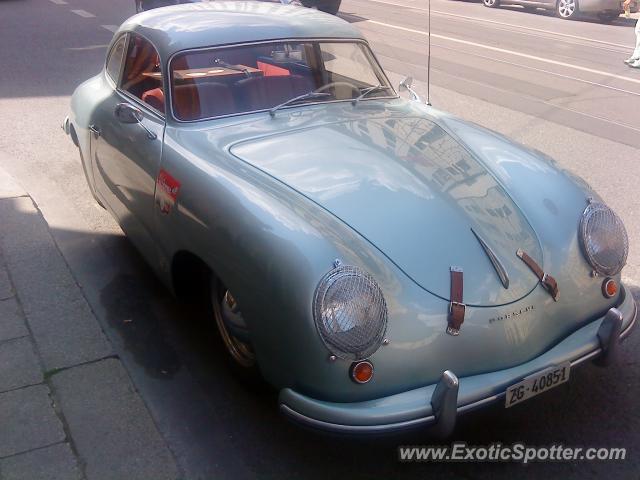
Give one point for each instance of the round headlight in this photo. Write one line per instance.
(604, 239)
(350, 313)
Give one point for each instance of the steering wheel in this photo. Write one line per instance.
(335, 84)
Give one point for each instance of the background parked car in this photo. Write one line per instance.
(605, 10)
(328, 6)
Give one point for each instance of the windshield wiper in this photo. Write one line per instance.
(367, 91)
(304, 96)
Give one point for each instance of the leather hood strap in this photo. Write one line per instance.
(547, 281)
(457, 309)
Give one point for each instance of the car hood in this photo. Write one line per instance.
(410, 189)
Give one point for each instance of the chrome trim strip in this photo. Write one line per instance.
(423, 421)
(479, 403)
(499, 268)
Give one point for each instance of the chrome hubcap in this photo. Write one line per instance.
(489, 3)
(241, 352)
(566, 7)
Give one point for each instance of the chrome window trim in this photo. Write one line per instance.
(169, 97)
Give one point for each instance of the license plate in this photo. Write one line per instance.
(537, 383)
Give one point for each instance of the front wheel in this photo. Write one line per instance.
(327, 6)
(330, 7)
(227, 316)
(491, 3)
(567, 9)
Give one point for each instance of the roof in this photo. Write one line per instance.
(205, 24)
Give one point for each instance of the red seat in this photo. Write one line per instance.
(155, 98)
(270, 70)
(202, 100)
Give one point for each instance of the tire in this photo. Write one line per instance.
(491, 3)
(608, 17)
(327, 6)
(567, 9)
(330, 7)
(239, 354)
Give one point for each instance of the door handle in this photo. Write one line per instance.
(95, 130)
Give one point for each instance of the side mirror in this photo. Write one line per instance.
(127, 113)
(405, 86)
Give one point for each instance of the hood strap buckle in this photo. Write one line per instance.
(547, 281)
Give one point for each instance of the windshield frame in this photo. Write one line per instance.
(364, 43)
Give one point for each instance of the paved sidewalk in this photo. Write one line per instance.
(68, 409)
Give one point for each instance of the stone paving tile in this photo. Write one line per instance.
(63, 325)
(18, 364)
(51, 463)
(27, 420)
(12, 323)
(5, 285)
(112, 430)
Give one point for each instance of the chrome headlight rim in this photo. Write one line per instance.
(376, 324)
(586, 232)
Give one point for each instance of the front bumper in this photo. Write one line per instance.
(438, 405)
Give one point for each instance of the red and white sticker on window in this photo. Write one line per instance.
(167, 189)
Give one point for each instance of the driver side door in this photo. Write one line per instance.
(127, 138)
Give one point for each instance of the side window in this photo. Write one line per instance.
(348, 62)
(142, 76)
(115, 59)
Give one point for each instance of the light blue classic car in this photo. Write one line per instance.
(382, 264)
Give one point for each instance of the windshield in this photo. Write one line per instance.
(231, 80)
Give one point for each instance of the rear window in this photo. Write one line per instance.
(227, 81)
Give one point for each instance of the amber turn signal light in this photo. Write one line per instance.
(361, 372)
(609, 287)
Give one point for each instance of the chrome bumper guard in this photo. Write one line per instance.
(444, 399)
(609, 337)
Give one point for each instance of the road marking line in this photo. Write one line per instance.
(510, 52)
(83, 13)
(519, 27)
(549, 72)
(544, 102)
(58, 2)
(111, 28)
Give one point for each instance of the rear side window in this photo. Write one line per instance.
(115, 59)
(142, 76)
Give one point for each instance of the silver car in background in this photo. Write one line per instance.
(605, 10)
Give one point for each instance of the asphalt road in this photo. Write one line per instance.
(554, 85)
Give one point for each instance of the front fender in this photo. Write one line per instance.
(270, 247)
